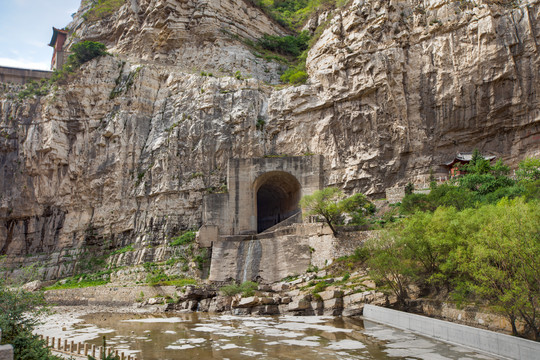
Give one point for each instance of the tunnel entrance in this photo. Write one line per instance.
(278, 194)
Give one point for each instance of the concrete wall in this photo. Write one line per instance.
(22, 76)
(269, 257)
(482, 340)
(235, 213)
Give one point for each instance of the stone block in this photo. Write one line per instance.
(220, 304)
(267, 301)
(265, 288)
(330, 294)
(286, 300)
(293, 293)
(242, 311)
(204, 305)
(332, 312)
(280, 287)
(353, 310)
(154, 301)
(318, 307)
(248, 302)
(6, 352)
(265, 310)
(207, 235)
(299, 304)
(336, 303)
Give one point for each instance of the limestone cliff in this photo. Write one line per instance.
(125, 151)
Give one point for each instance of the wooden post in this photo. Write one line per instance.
(85, 349)
(122, 357)
(116, 353)
(65, 345)
(79, 348)
(59, 344)
(71, 345)
(53, 342)
(46, 340)
(93, 350)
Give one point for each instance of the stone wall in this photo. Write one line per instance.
(22, 76)
(108, 295)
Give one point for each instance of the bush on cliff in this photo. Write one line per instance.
(85, 51)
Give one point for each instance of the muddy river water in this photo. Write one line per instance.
(205, 336)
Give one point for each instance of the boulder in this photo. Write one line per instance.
(300, 304)
(330, 294)
(248, 302)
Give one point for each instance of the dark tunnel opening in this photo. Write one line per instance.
(277, 198)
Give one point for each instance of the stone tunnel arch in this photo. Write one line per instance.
(277, 194)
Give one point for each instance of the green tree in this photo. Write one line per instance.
(19, 311)
(390, 267)
(409, 188)
(331, 204)
(325, 203)
(503, 261)
(529, 170)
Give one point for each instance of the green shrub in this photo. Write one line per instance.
(33, 88)
(320, 286)
(285, 45)
(85, 51)
(184, 239)
(247, 289)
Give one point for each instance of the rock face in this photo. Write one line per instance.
(196, 35)
(124, 152)
(399, 87)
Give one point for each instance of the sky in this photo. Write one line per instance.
(26, 30)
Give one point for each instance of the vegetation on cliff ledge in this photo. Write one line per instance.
(102, 8)
(80, 53)
(294, 13)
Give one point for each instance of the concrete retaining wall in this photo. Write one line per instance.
(483, 340)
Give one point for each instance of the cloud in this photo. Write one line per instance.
(24, 64)
(35, 43)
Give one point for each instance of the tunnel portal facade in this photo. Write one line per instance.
(262, 192)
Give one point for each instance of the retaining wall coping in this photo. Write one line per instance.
(490, 342)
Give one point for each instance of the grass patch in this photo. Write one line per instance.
(102, 9)
(125, 249)
(83, 281)
(247, 289)
(184, 239)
